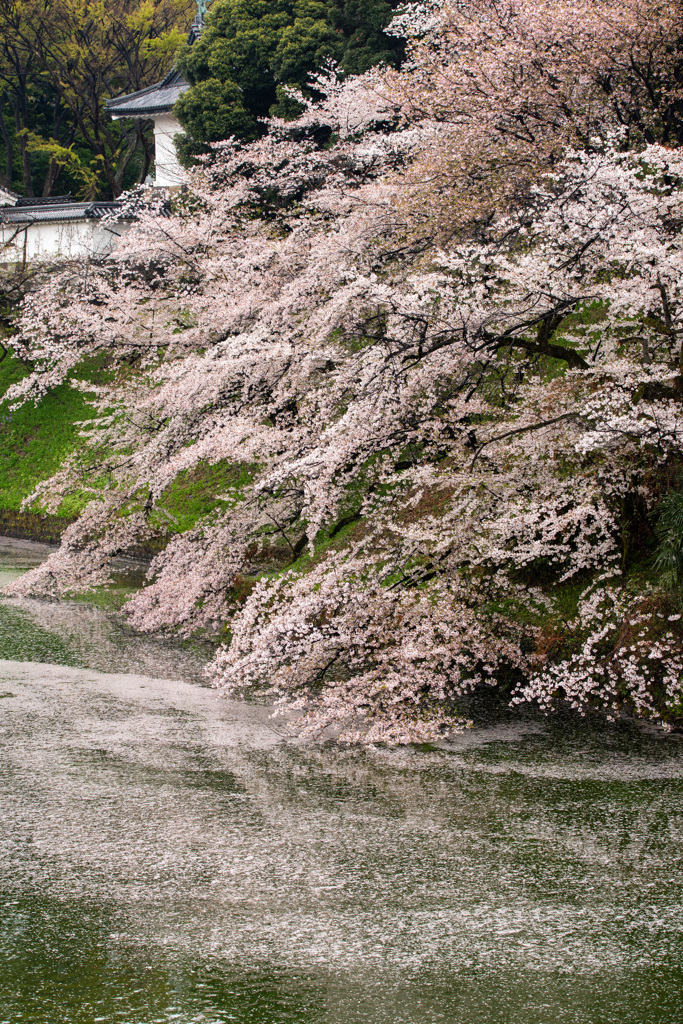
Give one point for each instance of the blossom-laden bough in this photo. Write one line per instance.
(440, 331)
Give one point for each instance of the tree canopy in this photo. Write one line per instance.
(443, 362)
(438, 368)
(250, 49)
(60, 60)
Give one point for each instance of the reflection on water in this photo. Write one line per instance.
(79, 635)
(166, 855)
(16, 556)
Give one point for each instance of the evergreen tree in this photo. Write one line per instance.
(251, 48)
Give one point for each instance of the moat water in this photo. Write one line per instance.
(169, 856)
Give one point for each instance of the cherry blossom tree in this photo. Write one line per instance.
(510, 85)
(440, 432)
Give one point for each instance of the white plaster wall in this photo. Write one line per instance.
(169, 172)
(56, 238)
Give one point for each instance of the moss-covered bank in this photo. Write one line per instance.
(36, 439)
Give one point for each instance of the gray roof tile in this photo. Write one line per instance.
(155, 99)
(42, 212)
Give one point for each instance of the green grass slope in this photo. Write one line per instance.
(34, 440)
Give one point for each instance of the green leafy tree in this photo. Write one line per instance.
(250, 49)
(60, 60)
(669, 530)
(361, 22)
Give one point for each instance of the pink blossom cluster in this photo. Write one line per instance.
(630, 655)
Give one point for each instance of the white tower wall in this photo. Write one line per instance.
(169, 171)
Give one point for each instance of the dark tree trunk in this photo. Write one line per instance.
(26, 168)
(20, 108)
(53, 170)
(9, 148)
(147, 156)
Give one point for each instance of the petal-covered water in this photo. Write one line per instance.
(167, 855)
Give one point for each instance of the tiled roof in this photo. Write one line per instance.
(43, 211)
(196, 29)
(155, 99)
(7, 197)
(160, 98)
(42, 200)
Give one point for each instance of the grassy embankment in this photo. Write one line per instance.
(34, 441)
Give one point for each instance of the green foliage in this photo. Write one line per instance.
(251, 48)
(35, 439)
(213, 110)
(669, 532)
(197, 492)
(60, 156)
(361, 23)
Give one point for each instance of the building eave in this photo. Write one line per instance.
(155, 99)
(8, 197)
(45, 213)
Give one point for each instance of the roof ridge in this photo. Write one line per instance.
(43, 200)
(28, 214)
(131, 105)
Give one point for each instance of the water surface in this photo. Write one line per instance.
(167, 855)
